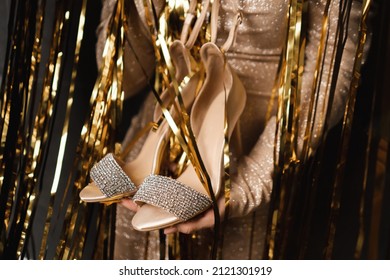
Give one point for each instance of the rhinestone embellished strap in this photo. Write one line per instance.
(172, 196)
(110, 178)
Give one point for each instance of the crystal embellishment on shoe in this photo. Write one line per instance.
(172, 196)
(110, 178)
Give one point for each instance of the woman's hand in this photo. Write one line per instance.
(202, 221)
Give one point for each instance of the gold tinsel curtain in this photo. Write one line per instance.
(46, 149)
(322, 207)
(333, 205)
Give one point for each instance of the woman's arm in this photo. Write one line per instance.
(253, 183)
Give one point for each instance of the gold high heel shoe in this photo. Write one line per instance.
(113, 179)
(165, 201)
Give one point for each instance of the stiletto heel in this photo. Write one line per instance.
(165, 201)
(111, 178)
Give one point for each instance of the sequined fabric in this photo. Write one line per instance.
(110, 177)
(172, 196)
(255, 57)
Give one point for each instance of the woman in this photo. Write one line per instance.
(255, 57)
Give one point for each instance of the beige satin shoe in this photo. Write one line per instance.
(113, 179)
(165, 201)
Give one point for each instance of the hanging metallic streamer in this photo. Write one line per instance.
(18, 139)
(97, 140)
(52, 84)
(324, 112)
(354, 86)
(307, 150)
(289, 104)
(27, 139)
(346, 132)
(377, 164)
(355, 82)
(288, 180)
(26, 136)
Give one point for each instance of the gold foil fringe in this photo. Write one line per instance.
(97, 140)
(345, 139)
(289, 166)
(26, 140)
(287, 130)
(26, 132)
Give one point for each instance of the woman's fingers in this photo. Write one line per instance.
(202, 221)
(191, 226)
(129, 204)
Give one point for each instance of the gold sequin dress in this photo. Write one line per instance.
(254, 56)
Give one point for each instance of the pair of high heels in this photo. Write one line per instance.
(165, 201)
(112, 178)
